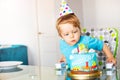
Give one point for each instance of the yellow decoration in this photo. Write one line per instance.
(81, 46)
(112, 34)
(76, 68)
(101, 37)
(93, 63)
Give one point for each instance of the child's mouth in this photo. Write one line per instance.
(73, 40)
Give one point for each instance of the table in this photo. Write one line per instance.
(27, 72)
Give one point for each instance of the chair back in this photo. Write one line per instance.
(109, 36)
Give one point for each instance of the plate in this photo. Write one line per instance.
(5, 46)
(88, 76)
(9, 64)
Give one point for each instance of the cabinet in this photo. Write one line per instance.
(48, 37)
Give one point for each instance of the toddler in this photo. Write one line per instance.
(68, 27)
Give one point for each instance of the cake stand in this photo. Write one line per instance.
(85, 76)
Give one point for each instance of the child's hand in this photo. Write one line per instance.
(62, 59)
(111, 60)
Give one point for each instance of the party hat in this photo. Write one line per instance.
(64, 8)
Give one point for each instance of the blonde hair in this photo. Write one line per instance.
(70, 18)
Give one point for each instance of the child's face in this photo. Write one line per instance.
(70, 33)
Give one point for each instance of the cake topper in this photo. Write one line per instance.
(64, 8)
(81, 48)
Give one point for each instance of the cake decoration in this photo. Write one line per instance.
(80, 49)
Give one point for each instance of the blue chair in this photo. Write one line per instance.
(14, 53)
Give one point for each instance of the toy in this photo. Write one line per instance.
(60, 65)
(110, 68)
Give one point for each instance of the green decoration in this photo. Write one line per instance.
(101, 37)
(100, 63)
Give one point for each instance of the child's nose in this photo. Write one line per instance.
(72, 35)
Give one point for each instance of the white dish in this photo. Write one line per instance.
(9, 64)
(5, 46)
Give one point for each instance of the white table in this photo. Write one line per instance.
(41, 73)
(30, 73)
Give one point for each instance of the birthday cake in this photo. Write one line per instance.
(84, 66)
(83, 60)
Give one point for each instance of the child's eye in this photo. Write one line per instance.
(75, 31)
(66, 34)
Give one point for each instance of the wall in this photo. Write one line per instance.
(101, 13)
(18, 25)
(77, 8)
(97, 12)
